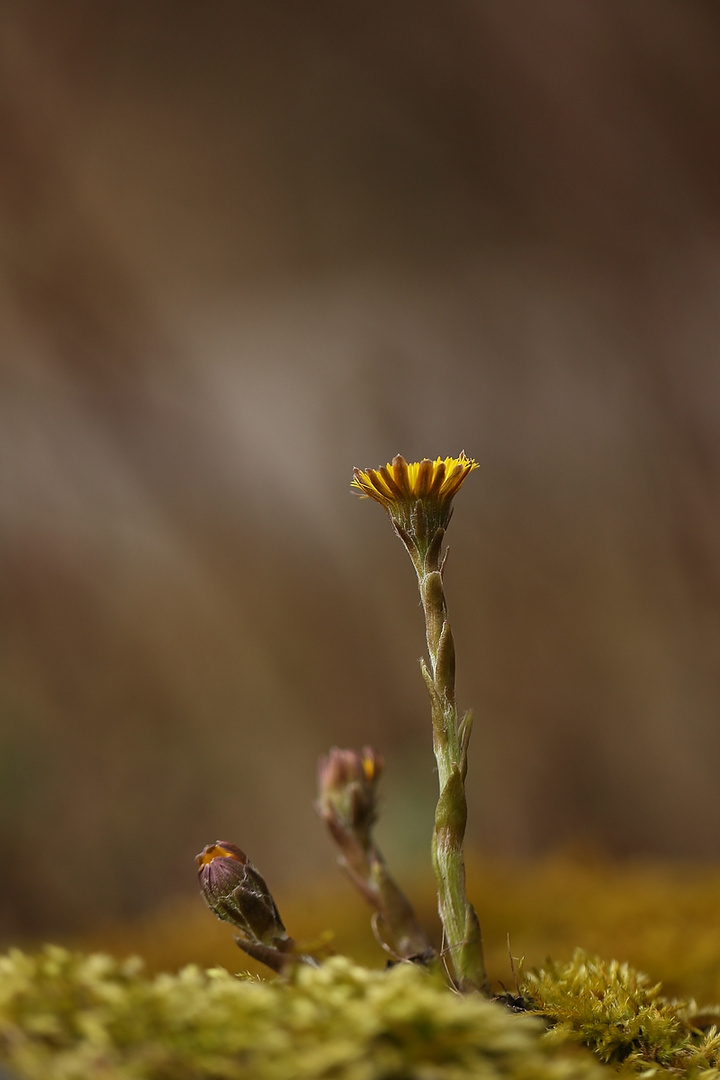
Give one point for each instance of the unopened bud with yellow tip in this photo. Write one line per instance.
(347, 803)
(238, 894)
(347, 792)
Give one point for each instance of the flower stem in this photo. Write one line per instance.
(418, 499)
(450, 742)
(347, 803)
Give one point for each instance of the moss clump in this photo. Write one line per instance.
(69, 1016)
(660, 917)
(622, 1017)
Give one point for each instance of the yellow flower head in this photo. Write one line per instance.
(417, 496)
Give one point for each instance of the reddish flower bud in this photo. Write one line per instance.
(238, 894)
(347, 791)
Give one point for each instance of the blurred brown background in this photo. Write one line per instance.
(248, 246)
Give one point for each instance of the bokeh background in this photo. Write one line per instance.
(248, 246)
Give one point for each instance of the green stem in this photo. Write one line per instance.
(398, 923)
(450, 742)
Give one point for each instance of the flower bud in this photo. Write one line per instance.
(347, 791)
(238, 894)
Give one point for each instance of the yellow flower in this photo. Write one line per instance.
(417, 496)
(432, 482)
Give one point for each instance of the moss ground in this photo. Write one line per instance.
(66, 1015)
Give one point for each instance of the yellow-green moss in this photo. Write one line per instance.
(69, 1016)
(660, 917)
(619, 1014)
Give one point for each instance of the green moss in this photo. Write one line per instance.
(619, 1014)
(660, 917)
(69, 1016)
